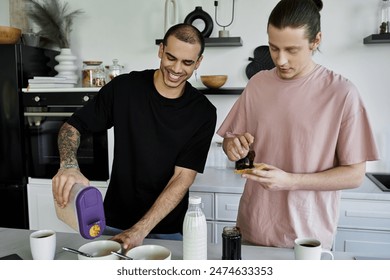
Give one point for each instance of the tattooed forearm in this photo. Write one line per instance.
(68, 143)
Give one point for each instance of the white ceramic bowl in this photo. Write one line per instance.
(149, 252)
(100, 250)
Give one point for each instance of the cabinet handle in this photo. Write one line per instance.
(380, 215)
(48, 114)
(231, 207)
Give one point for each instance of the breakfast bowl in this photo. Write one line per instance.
(100, 250)
(213, 81)
(9, 35)
(149, 252)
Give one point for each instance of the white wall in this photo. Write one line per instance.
(127, 29)
(4, 12)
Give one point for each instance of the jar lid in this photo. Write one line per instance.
(195, 199)
(92, 62)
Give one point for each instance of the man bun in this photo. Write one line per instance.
(319, 4)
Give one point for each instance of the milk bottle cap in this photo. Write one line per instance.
(195, 200)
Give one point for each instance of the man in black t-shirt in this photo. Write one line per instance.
(162, 129)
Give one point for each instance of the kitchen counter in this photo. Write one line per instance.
(16, 241)
(224, 180)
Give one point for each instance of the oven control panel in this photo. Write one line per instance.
(42, 99)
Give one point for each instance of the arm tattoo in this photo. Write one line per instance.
(68, 143)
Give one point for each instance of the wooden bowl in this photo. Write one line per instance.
(214, 81)
(9, 35)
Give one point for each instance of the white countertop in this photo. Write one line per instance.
(224, 180)
(16, 241)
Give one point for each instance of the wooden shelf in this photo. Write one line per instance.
(221, 91)
(377, 39)
(218, 42)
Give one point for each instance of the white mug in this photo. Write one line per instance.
(43, 244)
(309, 249)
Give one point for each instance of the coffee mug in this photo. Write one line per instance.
(309, 249)
(43, 244)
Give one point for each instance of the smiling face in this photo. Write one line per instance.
(178, 61)
(291, 51)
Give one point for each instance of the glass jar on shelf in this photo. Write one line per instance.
(384, 17)
(93, 74)
(114, 70)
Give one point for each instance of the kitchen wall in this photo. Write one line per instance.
(127, 29)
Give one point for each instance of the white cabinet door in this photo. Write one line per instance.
(362, 241)
(42, 214)
(41, 210)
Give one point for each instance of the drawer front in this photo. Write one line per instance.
(207, 203)
(226, 206)
(362, 241)
(362, 214)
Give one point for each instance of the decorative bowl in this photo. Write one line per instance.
(9, 35)
(213, 81)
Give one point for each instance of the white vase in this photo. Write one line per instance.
(66, 66)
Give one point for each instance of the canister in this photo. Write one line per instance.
(93, 74)
(84, 211)
(231, 243)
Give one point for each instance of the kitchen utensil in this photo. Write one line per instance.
(121, 255)
(77, 252)
(9, 35)
(262, 60)
(213, 81)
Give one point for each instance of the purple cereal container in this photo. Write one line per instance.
(84, 212)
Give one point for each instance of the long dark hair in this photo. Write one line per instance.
(298, 13)
(186, 33)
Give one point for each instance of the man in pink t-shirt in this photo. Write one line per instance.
(308, 125)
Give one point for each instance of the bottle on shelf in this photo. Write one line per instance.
(384, 17)
(194, 231)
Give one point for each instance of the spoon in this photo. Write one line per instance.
(77, 252)
(121, 255)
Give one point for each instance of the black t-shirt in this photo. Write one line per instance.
(153, 134)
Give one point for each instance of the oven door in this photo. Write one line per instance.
(42, 125)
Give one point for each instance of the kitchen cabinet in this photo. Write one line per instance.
(220, 209)
(364, 226)
(220, 190)
(41, 208)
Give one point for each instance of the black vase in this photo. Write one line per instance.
(199, 14)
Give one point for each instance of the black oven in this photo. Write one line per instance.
(44, 114)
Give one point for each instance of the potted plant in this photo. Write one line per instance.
(55, 21)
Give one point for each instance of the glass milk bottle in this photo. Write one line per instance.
(194, 231)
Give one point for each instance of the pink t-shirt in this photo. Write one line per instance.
(305, 125)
